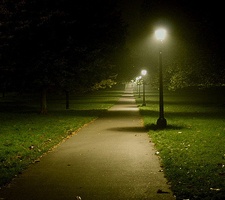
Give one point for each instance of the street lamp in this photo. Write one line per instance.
(143, 73)
(138, 86)
(161, 122)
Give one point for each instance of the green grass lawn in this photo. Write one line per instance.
(25, 135)
(192, 147)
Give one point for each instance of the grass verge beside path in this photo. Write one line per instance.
(192, 146)
(26, 135)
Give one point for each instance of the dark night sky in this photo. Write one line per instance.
(195, 25)
(191, 17)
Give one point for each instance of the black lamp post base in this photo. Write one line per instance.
(161, 122)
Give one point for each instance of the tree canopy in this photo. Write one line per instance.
(64, 43)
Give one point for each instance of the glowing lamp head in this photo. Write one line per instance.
(160, 34)
(143, 72)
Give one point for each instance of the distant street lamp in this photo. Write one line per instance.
(143, 73)
(161, 122)
(138, 85)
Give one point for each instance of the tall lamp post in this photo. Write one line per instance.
(143, 73)
(161, 122)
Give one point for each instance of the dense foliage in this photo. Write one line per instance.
(68, 45)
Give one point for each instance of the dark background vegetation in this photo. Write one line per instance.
(58, 45)
(66, 46)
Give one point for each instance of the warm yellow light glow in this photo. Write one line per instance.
(138, 78)
(143, 72)
(160, 34)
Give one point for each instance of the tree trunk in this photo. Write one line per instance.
(67, 100)
(44, 101)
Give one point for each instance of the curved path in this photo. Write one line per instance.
(109, 159)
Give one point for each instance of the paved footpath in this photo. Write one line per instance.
(111, 158)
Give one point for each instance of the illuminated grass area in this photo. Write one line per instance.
(192, 147)
(25, 135)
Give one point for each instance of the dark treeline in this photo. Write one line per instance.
(75, 46)
(64, 45)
